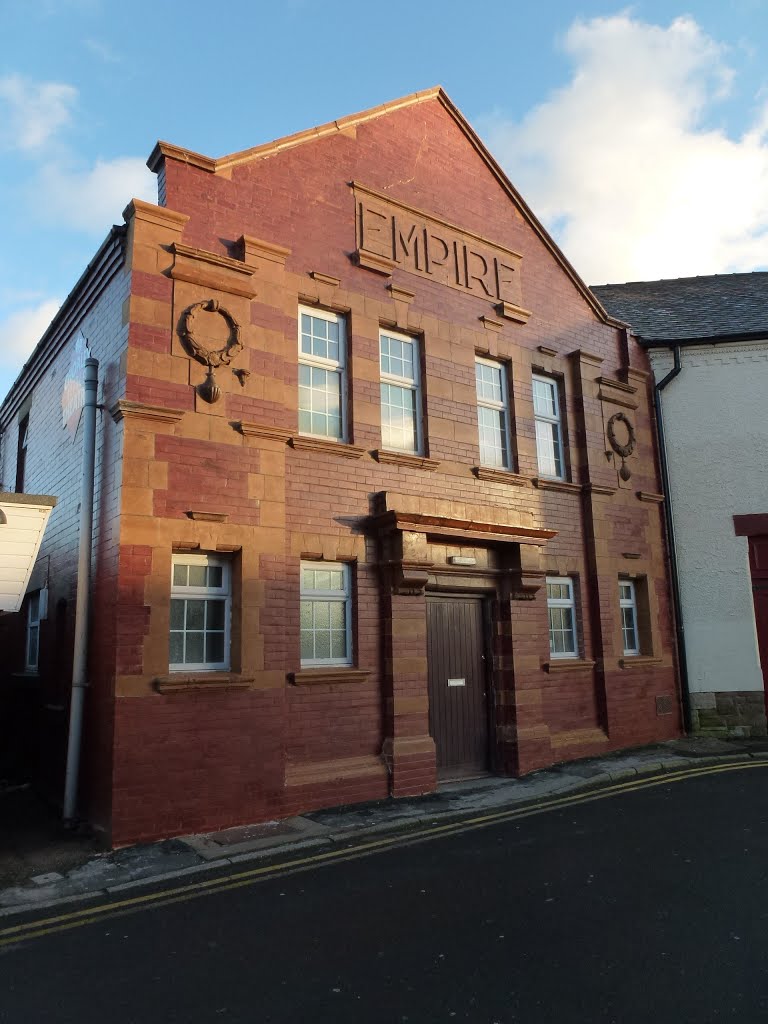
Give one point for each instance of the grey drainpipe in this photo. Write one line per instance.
(682, 657)
(82, 601)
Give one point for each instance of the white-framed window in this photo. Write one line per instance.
(628, 607)
(493, 414)
(201, 610)
(326, 614)
(322, 374)
(549, 427)
(32, 657)
(400, 392)
(561, 607)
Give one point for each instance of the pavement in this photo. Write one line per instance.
(43, 866)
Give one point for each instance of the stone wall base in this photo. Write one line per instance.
(729, 713)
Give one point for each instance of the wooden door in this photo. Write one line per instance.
(758, 564)
(458, 698)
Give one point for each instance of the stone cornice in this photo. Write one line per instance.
(185, 156)
(138, 410)
(214, 259)
(501, 476)
(601, 489)
(616, 392)
(656, 499)
(181, 681)
(210, 270)
(318, 444)
(332, 282)
(208, 517)
(511, 311)
(160, 216)
(568, 665)
(450, 526)
(405, 459)
(331, 675)
(401, 294)
(543, 483)
(263, 430)
(256, 248)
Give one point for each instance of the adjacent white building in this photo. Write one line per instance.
(715, 428)
(23, 518)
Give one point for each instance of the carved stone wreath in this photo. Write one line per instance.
(622, 450)
(190, 331)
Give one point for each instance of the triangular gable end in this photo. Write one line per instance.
(224, 165)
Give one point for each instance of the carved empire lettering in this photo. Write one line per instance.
(390, 234)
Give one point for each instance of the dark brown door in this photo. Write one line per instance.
(458, 699)
(758, 564)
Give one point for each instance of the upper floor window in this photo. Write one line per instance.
(561, 608)
(21, 453)
(400, 392)
(492, 414)
(322, 374)
(326, 614)
(201, 596)
(628, 606)
(549, 428)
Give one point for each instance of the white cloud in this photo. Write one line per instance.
(91, 199)
(103, 51)
(21, 331)
(32, 112)
(620, 164)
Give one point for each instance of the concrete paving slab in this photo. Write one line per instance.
(245, 839)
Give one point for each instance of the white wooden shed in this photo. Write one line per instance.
(23, 518)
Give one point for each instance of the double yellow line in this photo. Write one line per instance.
(37, 929)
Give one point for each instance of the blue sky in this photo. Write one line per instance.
(638, 134)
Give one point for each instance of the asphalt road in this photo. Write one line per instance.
(650, 906)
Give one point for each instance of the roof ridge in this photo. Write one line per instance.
(213, 164)
(729, 275)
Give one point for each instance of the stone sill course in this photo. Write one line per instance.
(68, 869)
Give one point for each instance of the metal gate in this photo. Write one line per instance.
(458, 685)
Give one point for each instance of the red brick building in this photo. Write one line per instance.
(376, 494)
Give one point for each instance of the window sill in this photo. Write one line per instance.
(405, 459)
(638, 661)
(319, 444)
(500, 476)
(324, 676)
(568, 665)
(545, 483)
(178, 682)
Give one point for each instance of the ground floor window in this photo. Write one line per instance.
(561, 607)
(33, 633)
(326, 614)
(201, 596)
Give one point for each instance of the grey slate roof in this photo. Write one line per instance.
(686, 308)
